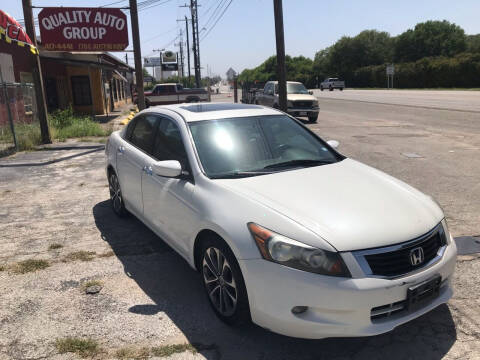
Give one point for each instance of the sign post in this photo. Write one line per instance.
(390, 73)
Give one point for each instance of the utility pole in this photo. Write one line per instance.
(281, 69)
(196, 41)
(126, 58)
(137, 54)
(180, 44)
(37, 74)
(159, 62)
(188, 45)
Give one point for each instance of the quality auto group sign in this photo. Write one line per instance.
(83, 29)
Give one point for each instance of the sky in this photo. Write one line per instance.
(245, 35)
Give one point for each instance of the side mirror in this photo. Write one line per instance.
(310, 92)
(333, 143)
(167, 168)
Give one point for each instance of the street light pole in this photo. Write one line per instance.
(281, 68)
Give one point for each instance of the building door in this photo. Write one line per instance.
(51, 92)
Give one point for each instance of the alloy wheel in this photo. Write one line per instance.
(219, 281)
(115, 194)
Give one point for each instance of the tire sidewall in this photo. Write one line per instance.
(122, 212)
(241, 316)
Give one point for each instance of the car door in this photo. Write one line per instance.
(167, 202)
(132, 157)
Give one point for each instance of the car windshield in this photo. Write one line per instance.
(257, 145)
(294, 88)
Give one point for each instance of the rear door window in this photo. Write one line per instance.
(143, 133)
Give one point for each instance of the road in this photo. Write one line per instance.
(435, 99)
(151, 297)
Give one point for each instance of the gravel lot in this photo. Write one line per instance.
(150, 296)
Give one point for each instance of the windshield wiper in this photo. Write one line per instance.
(239, 174)
(298, 162)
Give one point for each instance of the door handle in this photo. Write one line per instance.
(121, 149)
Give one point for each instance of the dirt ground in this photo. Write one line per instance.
(54, 207)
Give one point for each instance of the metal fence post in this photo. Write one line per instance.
(9, 111)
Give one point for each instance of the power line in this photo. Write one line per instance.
(216, 11)
(218, 19)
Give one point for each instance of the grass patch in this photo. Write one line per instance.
(133, 353)
(168, 350)
(63, 124)
(107, 254)
(83, 347)
(89, 283)
(80, 255)
(26, 266)
(55, 246)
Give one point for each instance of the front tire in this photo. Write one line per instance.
(116, 198)
(223, 283)
(321, 88)
(330, 88)
(312, 119)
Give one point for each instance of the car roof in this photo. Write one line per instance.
(288, 82)
(214, 110)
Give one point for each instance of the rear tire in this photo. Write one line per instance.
(223, 282)
(341, 89)
(330, 88)
(321, 88)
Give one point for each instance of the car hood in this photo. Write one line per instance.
(348, 204)
(300, 97)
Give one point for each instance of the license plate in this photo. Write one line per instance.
(422, 293)
(303, 113)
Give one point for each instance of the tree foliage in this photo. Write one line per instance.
(434, 53)
(431, 38)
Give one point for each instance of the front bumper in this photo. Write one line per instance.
(303, 112)
(337, 307)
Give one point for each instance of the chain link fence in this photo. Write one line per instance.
(18, 116)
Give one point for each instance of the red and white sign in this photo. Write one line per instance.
(10, 30)
(83, 29)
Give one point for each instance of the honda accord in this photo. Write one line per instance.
(284, 230)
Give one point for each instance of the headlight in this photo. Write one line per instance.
(289, 104)
(446, 231)
(315, 103)
(280, 249)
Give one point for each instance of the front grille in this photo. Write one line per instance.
(302, 104)
(396, 260)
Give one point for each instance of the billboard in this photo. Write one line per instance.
(83, 29)
(169, 57)
(151, 62)
(169, 61)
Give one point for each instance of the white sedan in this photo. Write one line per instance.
(285, 231)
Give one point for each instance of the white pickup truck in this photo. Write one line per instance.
(332, 83)
(300, 101)
(164, 94)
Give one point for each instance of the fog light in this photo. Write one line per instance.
(299, 309)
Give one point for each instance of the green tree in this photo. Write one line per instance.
(431, 38)
(473, 43)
